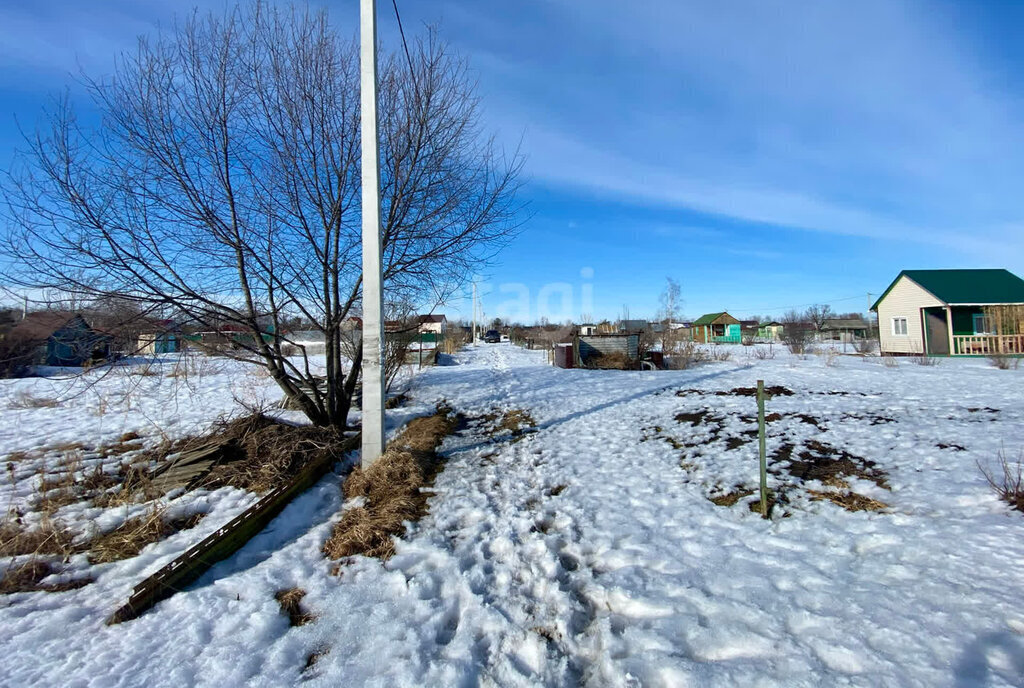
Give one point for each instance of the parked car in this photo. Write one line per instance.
(492, 337)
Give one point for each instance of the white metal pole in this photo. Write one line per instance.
(474, 313)
(373, 325)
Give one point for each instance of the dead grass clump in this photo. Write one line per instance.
(291, 604)
(391, 489)
(26, 400)
(49, 537)
(515, 420)
(133, 535)
(260, 453)
(136, 487)
(28, 577)
(1007, 479)
(849, 500)
(730, 498)
(611, 361)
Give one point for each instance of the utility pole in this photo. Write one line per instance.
(474, 313)
(373, 325)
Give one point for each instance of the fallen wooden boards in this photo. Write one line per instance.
(189, 467)
(224, 542)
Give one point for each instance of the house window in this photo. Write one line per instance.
(982, 324)
(899, 327)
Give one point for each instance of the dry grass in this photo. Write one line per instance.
(730, 498)
(26, 400)
(612, 361)
(49, 537)
(849, 500)
(263, 453)
(135, 487)
(28, 577)
(134, 534)
(391, 490)
(291, 604)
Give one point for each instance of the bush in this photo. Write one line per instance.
(924, 361)
(762, 353)
(685, 356)
(16, 356)
(1004, 361)
(865, 346)
(1007, 480)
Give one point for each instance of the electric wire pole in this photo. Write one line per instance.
(474, 313)
(373, 325)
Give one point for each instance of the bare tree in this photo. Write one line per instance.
(816, 315)
(671, 302)
(796, 331)
(224, 184)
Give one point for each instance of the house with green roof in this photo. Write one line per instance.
(952, 313)
(717, 328)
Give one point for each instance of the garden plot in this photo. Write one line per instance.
(571, 539)
(801, 462)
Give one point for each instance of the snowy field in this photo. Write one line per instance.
(586, 551)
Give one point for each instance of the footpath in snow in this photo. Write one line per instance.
(584, 548)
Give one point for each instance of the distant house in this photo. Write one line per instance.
(57, 338)
(432, 323)
(770, 331)
(159, 337)
(717, 328)
(950, 313)
(588, 328)
(748, 329)
(846, 330)
(634, 326)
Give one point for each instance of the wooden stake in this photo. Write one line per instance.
(761, 447)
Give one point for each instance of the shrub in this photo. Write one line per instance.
(685, 356)
(890, 361)
(924, 360)
(16, 356)
(865, 346)
(762, 353)
(1007, 480)
(1004, 361)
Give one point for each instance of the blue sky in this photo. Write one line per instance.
(764, 154)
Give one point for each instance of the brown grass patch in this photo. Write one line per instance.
(612, 361)
(27, 400)
(28, 577)
(49, 537)
(261, 453)
(730, 498)
(291, 604)
(849, 500)
(133, 535)
(391, 489)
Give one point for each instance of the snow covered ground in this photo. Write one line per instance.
(587, 551)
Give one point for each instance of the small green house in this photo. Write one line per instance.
(716, 328)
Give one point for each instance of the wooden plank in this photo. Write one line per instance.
(224, 542)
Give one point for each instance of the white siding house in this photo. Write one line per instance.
(900, 323)
(952, 313)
